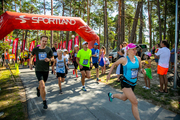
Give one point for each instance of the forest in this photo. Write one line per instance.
(114, 21)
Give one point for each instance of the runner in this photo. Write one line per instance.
(163, 65)
(131, 64)
(54, 49)
(84, 61)
(66, 56)
(74, 60)
(95, 58)
(6, 56)
(60, 68)
(44, 55)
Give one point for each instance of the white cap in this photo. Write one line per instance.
(76, 46)
(84, 42)
(65, 50)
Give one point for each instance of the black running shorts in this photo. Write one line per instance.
(62, 75)
(42, 75)
(85, 69)
(75, 64)
(125, 85)
(96, 65)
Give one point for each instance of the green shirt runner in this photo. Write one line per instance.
(84, 57)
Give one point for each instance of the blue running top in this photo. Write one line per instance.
(60, 66)
(130, 71)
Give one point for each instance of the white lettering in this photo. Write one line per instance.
(52, 20)
(64, 21)
(35, 20)
(46, 20)
(72, 22)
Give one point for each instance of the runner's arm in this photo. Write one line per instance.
(66, 64)
(31, 59)
(53, 65)
(77, 60)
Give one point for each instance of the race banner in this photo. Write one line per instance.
(32, 46)
(23, 45)
(70, 45)
(76, 40)
(14, 47)
(64, 45)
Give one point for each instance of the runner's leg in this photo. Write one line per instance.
(120, 96)
(132, 98)
(83, 77)
(59, 82)
(88, 74)
(42, 89)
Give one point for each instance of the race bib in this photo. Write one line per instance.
(55, 53)
(42, 55)
(75, 55)
(85, 61)
(60, 65)
(134, 73)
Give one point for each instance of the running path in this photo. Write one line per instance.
(75, 104)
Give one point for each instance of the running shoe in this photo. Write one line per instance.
(38, 92)
(98, 79)
(144, 87)
(45, 104)
(110, 98)
(51, 72)
(60, 91)
(73, 72)
(84, 89)
(76, 76)
(147, 88)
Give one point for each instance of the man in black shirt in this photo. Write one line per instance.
(44, 55)
(54, 49)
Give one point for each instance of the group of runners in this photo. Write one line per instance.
(85, 59)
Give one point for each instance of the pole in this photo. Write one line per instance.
(176, 39)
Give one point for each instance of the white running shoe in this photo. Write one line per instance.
(147, 88)
(144, 87)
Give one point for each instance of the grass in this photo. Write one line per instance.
(168, 100)
(10, 100)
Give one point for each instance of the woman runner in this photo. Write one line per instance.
(131, 65)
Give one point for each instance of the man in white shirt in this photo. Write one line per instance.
(163, 65)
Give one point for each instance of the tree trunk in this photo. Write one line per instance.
(119, 35)
(20, 5)
(160, 32)
(51, 40)
(106, 30)
(123, 22)
(141, 25)
(104, 26)
(165, 14)
(150, 35)
(135, 22)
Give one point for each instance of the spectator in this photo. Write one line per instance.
(139, 51)
(106, 62)
(163, 65)
(101, 60)
(172, 56)
(6, 56)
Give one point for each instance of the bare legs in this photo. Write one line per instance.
(42, 89)
(59, 81)
(163, 82)
(129, 94)
(147, 81)
(85, 74)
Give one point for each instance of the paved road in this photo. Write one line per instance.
(75, 104)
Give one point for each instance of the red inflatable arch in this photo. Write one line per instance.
(13, 20)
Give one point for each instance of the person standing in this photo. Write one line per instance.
(54, 49)
(74, 55)
(95, 58)
(60, 68)
(6, 56)
(84, 60)
(101, 60)
(44, 55)
(163, 65)
(131, 65)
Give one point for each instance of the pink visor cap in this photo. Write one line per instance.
(148, 54)
(130, 46)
